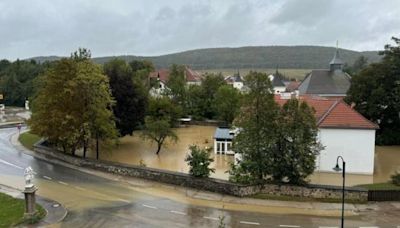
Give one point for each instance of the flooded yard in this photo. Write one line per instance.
(134, 150)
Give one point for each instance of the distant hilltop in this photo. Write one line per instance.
(289, 57)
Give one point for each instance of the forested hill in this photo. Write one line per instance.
(295, 57)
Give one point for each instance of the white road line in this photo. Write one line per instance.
(122, 200)
(79, 188)
(250, 223)
(211, 218)
(293, 226)
(63, 183)
(178, 212)
(148, 206)
(46, 177)
(10, 164)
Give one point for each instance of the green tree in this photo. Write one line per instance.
(177, 85)
(195, 104)
(131, 103)
(297, 145)
(258, 126)
(199, 161)
(17, 80)
(227, 103)
(162, 116)
(210, 85)
(375, 93)
(359, 64)
(73, 105)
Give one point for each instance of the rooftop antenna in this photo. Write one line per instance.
(337, 44)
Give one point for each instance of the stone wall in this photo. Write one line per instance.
(208, 184)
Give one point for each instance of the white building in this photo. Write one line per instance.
(236, 81)
(223, 141)
(343, 132)
(160, 78)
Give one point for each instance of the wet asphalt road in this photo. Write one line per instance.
(94, 201)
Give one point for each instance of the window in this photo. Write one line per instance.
(223, 147)
(218, 147)
(229, 146)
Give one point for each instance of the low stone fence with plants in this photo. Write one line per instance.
(208, 184)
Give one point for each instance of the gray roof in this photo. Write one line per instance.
(336, 59)
(325, 82)
(277, 81)
(237, 78)
(222, 133)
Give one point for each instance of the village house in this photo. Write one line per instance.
(277, 82)
(161, 77)
(223, 141)
(332, 82)
(236, 81)
(342, 131)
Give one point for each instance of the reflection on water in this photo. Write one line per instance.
(134, 150)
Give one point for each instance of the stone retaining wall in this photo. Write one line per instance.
(208, 184)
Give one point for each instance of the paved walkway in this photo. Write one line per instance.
(55, 211)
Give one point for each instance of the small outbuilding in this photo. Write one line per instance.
(223, 141)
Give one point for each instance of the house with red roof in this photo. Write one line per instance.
(162, 76)
(342, 131)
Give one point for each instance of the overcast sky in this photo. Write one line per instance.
(53, 27)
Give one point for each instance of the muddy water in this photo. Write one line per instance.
(134, 150)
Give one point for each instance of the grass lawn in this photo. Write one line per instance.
(27, 139)
(380, 186)
(302, 199)
(12, 212)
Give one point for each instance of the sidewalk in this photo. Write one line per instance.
(55, 212)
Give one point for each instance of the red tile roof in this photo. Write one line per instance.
(163, 74)
(334, 113)
(292, 86)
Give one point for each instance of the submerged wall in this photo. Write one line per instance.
(208, 184)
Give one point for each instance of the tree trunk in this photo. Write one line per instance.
(84, 149)
(158, 147)
(97, 147)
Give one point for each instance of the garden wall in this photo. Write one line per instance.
(208, 184)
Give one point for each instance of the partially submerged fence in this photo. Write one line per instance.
(383, 195)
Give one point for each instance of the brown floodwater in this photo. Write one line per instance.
(135, 150)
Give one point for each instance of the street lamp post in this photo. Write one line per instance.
(338, 169)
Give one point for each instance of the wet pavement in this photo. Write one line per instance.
(96, 201)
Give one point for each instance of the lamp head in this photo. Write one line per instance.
(337, 168)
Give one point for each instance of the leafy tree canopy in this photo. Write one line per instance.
(375, 93)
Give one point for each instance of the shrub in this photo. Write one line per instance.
(396, 178)
(199, 161)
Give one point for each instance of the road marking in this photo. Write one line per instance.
(79, 188)
(211, 218)
(10, 164)
(148, 206)
(46, 177)
(122, 200)
(178, 212)
(293, 226)
(63, 183)
(250, 223)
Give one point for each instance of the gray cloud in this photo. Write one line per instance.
(54, 27)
